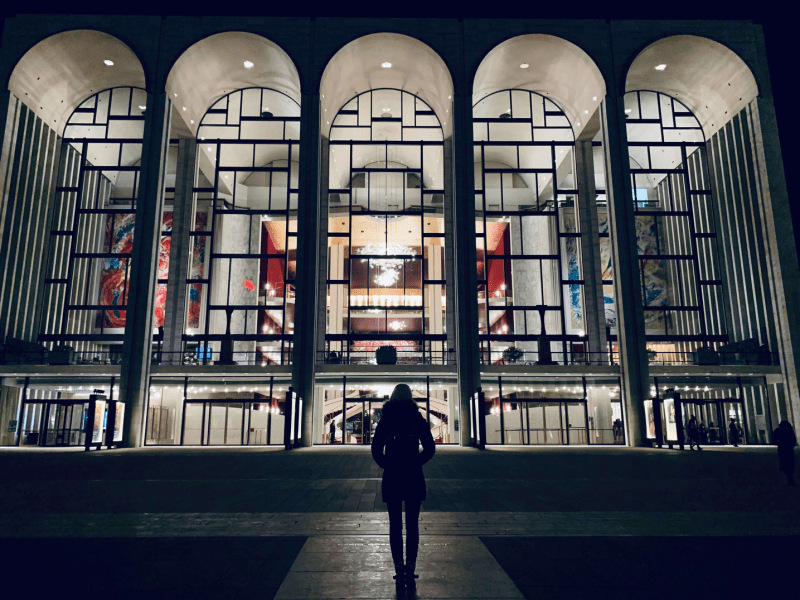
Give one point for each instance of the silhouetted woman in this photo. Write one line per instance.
(395, 448)
(786, 440)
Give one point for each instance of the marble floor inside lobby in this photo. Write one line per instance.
(551, 523)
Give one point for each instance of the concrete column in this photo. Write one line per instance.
(310, 219)
(594, 321)
(627, 290)
(785, 274)
(466, 296)
(137, 348)
(182, 215)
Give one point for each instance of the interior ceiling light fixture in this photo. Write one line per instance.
(524, 66)
(386, 65)
(142, 107)
(661, 67)
(388, 268)
(109, 63)
(248, 64)
(396, 325)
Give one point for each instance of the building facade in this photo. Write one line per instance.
(237, 231)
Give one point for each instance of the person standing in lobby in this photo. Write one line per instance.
(395, 448)
(733, 433)
(786, 440)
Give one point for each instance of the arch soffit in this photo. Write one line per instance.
(60, 72)
(706, 76)
(557, 69)
(356, 68)
(214, 66)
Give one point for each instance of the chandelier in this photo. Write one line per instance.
(388, 269)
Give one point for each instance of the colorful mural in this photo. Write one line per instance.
(196, 271)
(607, 271)
(114, 274)
(573, 273)
(654, 272)
(163, 269)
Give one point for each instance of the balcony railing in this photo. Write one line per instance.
(533, 358)
(404, 357)
(211, 357)
(713, 358)
(59, 357)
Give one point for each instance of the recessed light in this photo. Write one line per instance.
(209, 148)
(176, 95)
(628, 110)
(110, 63)
(386, 65)
(184, 108)
(192, 122)
(661, 67)
(142, 107)
(586, 112)
(579, 124)
(524, 66)
(594, 98)
(248, 64)
(385, 110)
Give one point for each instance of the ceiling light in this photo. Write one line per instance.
(209, 148)
(142, 107)
(524, 66)
(594, 98)
(586, 112)
(110, 63)
(184, 108)
(192, 122)
(385, 110)
(386, 65)
(176, 95)
(248, 64)
(579, 125)
(661, 67)
(628, 110)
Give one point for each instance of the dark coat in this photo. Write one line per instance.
(786, 441)
(402, 481)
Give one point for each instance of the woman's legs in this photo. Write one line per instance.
(395, 508)
(412, 533)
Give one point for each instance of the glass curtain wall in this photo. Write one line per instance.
(530, 285)
(386, 251)
(679, 269)
(243, 243)
(361, 402)
(213, 411)
(86, 285)
(547, 411)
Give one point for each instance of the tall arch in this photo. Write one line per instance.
(710, 79)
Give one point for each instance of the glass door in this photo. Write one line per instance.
(576, 423)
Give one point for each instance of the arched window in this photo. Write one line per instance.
(528, 235)
(386, 231)
(86, 285)
(676, 234)
(243, 242)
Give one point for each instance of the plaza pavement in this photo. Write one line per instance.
(502, 523)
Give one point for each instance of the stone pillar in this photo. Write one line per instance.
(182, 216)
(310, 219)
(529, 286)
(627, 289)
(784, 272)
(138, 341)
(594, 321)
(462, 182)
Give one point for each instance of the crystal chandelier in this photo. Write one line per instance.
(388, 268)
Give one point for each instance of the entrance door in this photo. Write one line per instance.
(66, 424)
(545, 423)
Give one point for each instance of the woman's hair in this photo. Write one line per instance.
(401, 404)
